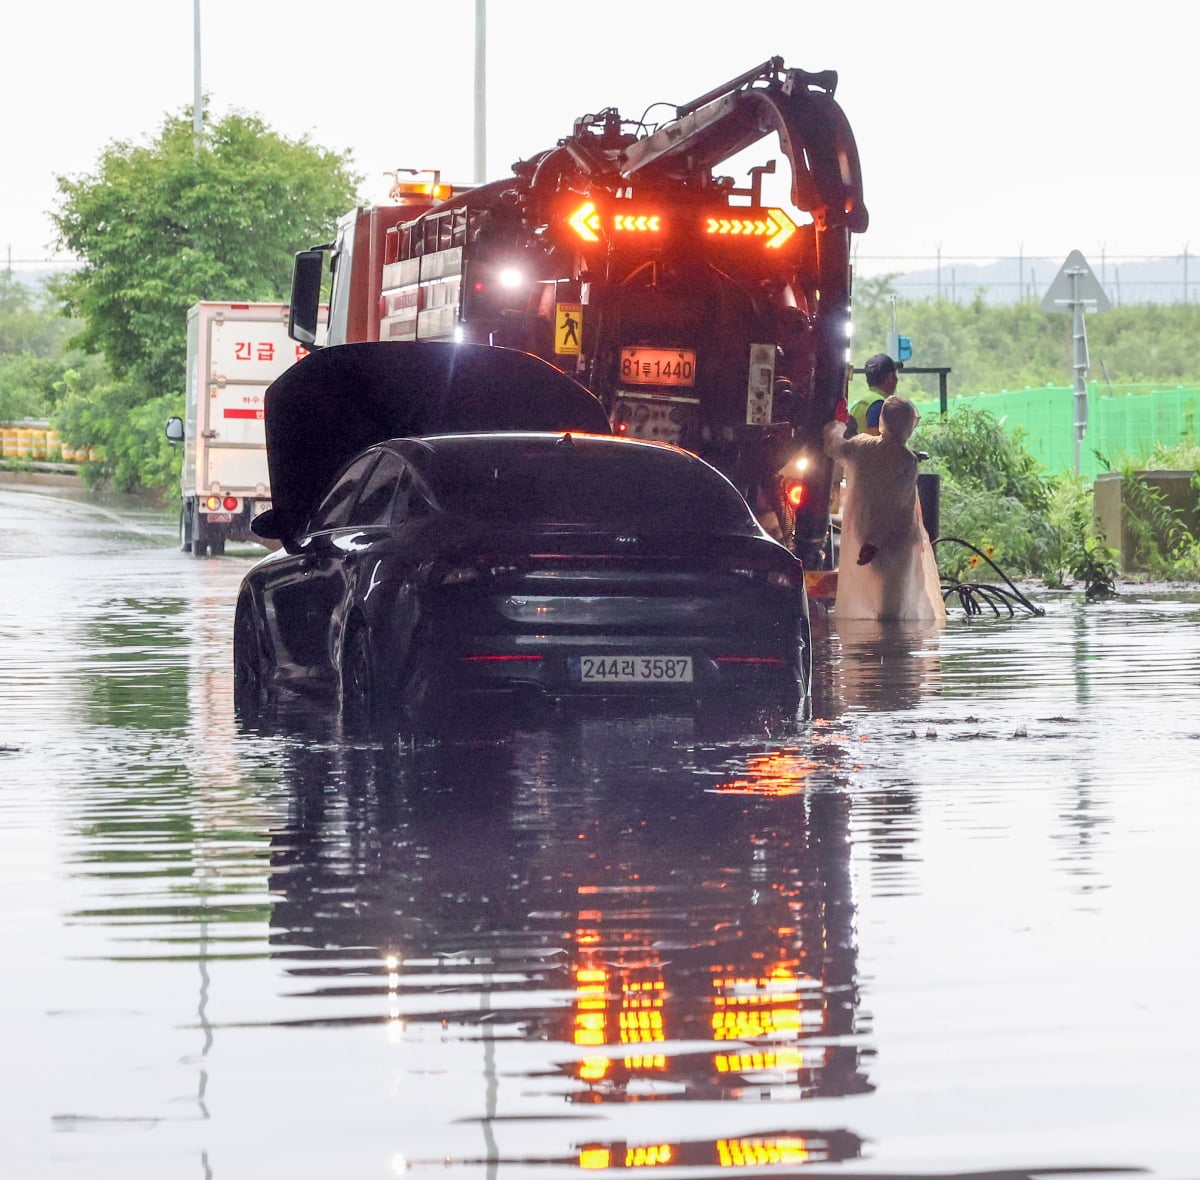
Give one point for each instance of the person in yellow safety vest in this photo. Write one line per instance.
(881, 374)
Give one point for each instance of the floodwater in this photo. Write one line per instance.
(946, 927)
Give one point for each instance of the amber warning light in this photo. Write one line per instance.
(769, 228)
(772, 226)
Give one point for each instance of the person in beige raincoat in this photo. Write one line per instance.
(887, 568)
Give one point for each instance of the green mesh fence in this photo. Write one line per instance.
(1124, 422)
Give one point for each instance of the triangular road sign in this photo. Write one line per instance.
(1075, 283)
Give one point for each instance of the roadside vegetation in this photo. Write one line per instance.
(992, 348)
(995, 497)
(158, 226)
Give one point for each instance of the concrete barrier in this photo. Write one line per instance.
(1109, 497)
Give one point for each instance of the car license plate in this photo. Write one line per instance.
(632, 669)
(219, 517)
(658, 366)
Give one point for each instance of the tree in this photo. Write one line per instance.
(32, 336)
(28, 324)
(165, 225)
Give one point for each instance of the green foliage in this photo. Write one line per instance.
(1071, 517)
(125, 425)
(26, 382)
(28, 322)
(995, 496)
(991, 348)
(992, 493)
(974, 448)
(158, 227)
(1183, 456)
(1160, 539)
(1095, 564)
(32, 336)
(162, 226)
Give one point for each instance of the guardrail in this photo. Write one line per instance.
(34, 442)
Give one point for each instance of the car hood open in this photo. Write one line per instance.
(339, 400)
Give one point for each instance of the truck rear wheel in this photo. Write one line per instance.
(185, 531)
(199, 535)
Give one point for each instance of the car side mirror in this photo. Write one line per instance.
(268, 527)
(174, 431)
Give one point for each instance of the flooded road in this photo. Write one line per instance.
(948, 926)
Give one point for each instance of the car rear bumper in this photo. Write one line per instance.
(641, 668)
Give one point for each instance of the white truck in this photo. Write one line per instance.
(234, 351)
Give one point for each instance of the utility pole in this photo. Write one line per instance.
(197, 98)
(480, 90)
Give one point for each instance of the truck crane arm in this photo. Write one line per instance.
(814, 135)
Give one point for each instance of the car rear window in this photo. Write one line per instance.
(594, 485)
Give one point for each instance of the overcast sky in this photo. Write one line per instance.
(985, 129)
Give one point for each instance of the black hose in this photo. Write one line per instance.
(974, 596)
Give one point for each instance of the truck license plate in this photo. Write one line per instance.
(658, 366)
(631, 669)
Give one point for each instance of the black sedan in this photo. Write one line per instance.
(444, 568)
(458, 519)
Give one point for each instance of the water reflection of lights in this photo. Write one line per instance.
(781, 1061)
(741, 1153)
(395, 1024)
(652, 1155)
(636, 1005)
(766, 1006)
(756, 1151)
(776, 774)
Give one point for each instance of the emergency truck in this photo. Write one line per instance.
(234, 351)
(698, 312)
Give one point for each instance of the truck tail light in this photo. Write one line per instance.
(796, 492)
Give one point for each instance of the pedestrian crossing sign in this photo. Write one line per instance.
(568, 327)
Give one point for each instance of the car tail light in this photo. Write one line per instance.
(791, 579)
(491, 658)
(478, 569)
(771, 661)
(788, 579)
(230, 503)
